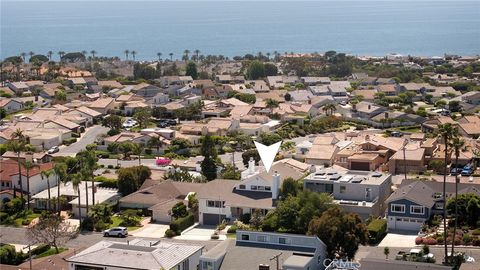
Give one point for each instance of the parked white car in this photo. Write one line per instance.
(53, 150)
(116, 231)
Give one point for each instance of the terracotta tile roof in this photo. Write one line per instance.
(9, 167)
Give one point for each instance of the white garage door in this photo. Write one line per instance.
(408, 224)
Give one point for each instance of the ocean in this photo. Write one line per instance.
(425, 28)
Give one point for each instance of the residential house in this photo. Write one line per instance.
(229, 79)
(103, 105)
(146, 90)
(137, 254)
(215, 126)
(361, 192)
(309, 81)
(411, 160)
(10, 178)
(18, 87)
(158, 100)
(367, 110)
(92, 116)
(414, 202)
(11, 105)
(277, 82)
(300, 95)
(159, 198)
(293, 251)
(388, 89)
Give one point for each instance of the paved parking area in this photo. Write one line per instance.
(151, 230)
(398, 240)
(199, 234)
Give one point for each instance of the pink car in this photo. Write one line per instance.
(162, 161)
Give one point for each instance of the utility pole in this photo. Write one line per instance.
(405, 159)
(29, 254)
(277, 258)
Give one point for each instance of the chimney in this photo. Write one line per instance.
(369, 106)
(386, 115)
(251, 166)
(354, 107)
(275, 185)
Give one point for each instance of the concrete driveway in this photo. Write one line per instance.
(398, 240)
(199, 234)
(87, 138)
(151, 230)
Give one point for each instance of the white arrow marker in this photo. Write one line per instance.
(267, 153)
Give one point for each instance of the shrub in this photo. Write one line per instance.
(440, 239)
(215, 236)
(377, 229)
(106, 182)
(110, 166)
(40, 249)
(245, 218)
(69, 141)
(232, 229)
(476, 232)
(87, 224)
(221, 226)
(466, 239)
(429, 241)
(170, 233)
(183, 223)
(476, 242)
(418, 240)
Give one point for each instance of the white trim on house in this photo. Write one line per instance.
(422, 208)
(393, 205)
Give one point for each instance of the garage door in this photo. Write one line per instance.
(408, 224)
(212, 219)
(362, 166)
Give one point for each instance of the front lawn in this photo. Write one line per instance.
(117, 222)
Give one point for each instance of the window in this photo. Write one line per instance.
(417, 209)
(343, 189)
(241, 187)
(343, 159)
(262, 238)
(210, 203)
(397, 208)
(186, 265)
(216, 204)
(268, 188)
(283, 241)
(207, 266)
(261, 188)
(245, 237)
(368, 193)
(439, 205)
(253, 187)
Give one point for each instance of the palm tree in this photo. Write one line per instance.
(133, 54)
(268, 55)
(155, 142)
(17, 146)
(446, 132)
(186, 53)
(61, 54)
(126, 52)
(76, 181)
(84, 53)
(60, 170)
(458, 145)
(49, 54)
(330, 107)
(159, 54)
(93, 52)
(31, 54)
(46, 175)
(171, 56)
(197, 53)
(85, 175)
(28, 165)
(23, 55)
(137, 150)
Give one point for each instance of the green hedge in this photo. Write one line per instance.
(40, 249)
(181, 224)
(69, 141)
(377, 229)
(106, 182)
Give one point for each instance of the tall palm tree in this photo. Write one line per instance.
(458, 146)
(61, 54)
(17, 146)
(85, 175)
(446, 132)
(76, 181)
(93, 52)
(155, 142)
(171, 56)
(23, 55)
(197, 53)
(31, 54)
(28, 165)
(49, 54)
(159, 54)
(186, 53)
(46, 175)
(137, 150)
(84, 53)
(133, 54)
(126, 52)
(60, 170)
